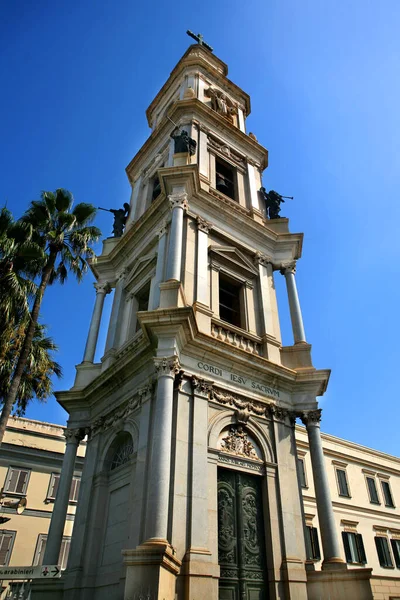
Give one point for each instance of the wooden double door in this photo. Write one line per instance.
(241, 538)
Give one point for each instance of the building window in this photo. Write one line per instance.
(382, 547)
(302, 472)
(53, 487)
(225, 178)
(343, 486)
(230, 297)
(123, 451)
(354, 547)
(387, 494)
(41, 547)
(156, 188)
(142, 297)
(372, 490)
(312, 543)
(396, 551)
(17, 481)
(6, 545)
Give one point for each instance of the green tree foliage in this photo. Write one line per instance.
(50, 240)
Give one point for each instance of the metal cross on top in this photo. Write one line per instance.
(199, 39)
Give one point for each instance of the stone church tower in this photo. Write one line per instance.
(190, 488)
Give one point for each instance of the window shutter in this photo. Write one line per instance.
(316, 550)
(360, 547)
(21, 483)
(41, 549)
(309, 552)
(64, 553)
(346, 545)
(396, 551)
(5, 546)
(342, 479)
(387, 494)
(74, 491)
(302, 472)
(13, 480)
(379, 549)
(54, 485)
(373, 494)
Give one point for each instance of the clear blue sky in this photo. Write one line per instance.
(323, 77)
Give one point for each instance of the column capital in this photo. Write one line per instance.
(74, 436)
(288, 267)
(203, 225)
(200, 386)
(311, 417)
(102, 287)
(167, 366)
(262, 259)
(178, 201)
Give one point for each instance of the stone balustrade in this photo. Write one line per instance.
(236, 337)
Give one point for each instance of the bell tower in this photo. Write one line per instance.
(190, 486)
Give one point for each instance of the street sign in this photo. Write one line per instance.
(40, 572)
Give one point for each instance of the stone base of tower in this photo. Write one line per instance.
(200, 575)
(47, 589)
(294, 580)
(340, 584)
(151, 570)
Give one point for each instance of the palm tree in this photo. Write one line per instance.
(40, 366)
(64, 235)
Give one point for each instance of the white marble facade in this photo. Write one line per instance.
(191, 383)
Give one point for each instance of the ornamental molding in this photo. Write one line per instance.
(117, 415)
(230, 399)
(167, 366)
(288, 267)
(311, 417)
(203, 225)
(237, 443)
(162, 230)
(178, 201)
(226, 151)
(102, 287)
(200, 386)
(242, 463)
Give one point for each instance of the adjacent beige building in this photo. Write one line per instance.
(31, 457)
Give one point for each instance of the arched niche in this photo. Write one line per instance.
(220, 428)
(122, 441)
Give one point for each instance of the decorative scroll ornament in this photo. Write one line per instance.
(250, 405)
(178, 201)
(236, 442)
(203, 225)
(201, 386)
(311, 417)
(262, 259)
(116, 416)
(167, 366)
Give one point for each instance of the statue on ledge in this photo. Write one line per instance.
(183, 143)
(120, 218)
(273, 202)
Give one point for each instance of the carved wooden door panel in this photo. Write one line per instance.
(241, 545)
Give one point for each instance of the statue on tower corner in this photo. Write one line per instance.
(273, 202)
(120, 218)
(183, 143)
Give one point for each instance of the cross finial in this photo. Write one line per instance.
(199, 39)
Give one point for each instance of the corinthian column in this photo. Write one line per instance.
(160, 461)
(329, 537)
(56, 530)
(90, 350)
(178, 204)
(289, 270)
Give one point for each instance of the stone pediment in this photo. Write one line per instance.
(233, 259)
(139, 267)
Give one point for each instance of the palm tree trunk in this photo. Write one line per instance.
(26, 347)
